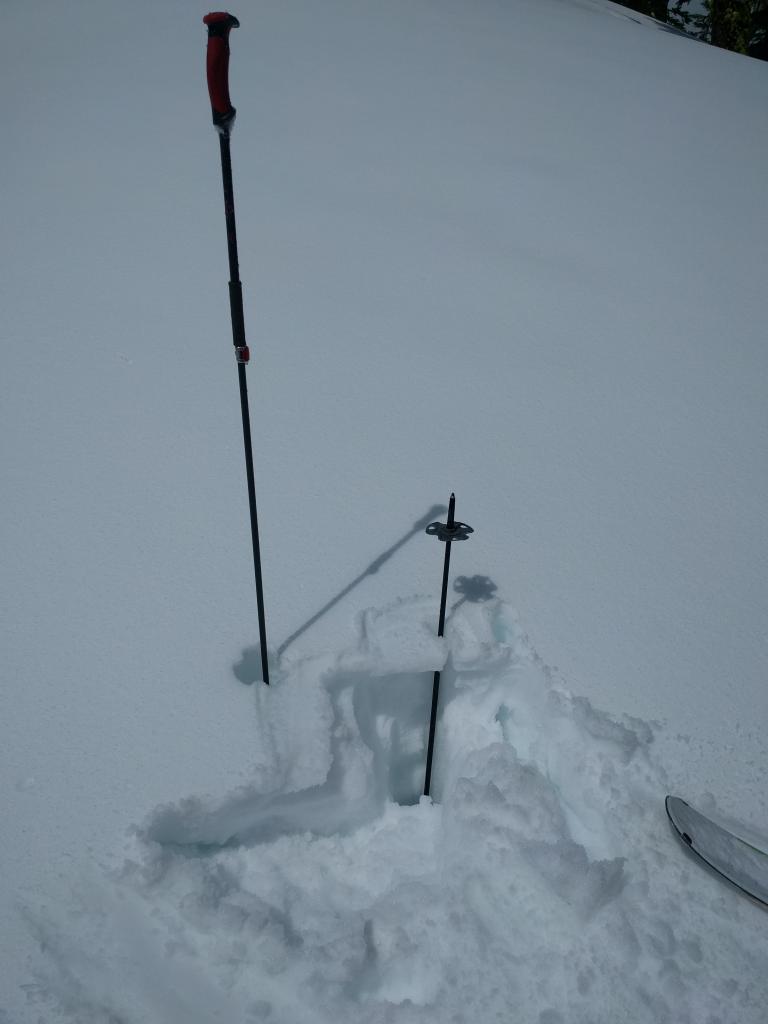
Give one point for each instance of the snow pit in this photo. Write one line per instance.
(542, 884)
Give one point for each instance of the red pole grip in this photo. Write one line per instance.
(217, 67)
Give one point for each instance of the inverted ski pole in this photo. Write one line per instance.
(217, 66)
(447, 533)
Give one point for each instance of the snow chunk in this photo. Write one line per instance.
(399, 638)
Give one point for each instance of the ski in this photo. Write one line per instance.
(734, 859)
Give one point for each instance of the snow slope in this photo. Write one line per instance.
(516, 250)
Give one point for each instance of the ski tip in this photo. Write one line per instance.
(670, 799)
(674, 805)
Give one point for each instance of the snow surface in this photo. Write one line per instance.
(513, 249)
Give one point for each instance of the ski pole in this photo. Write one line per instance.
(217, 67)
(447, 533)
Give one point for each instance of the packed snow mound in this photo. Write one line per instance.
(543, 881)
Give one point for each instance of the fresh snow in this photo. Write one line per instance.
(513, 250)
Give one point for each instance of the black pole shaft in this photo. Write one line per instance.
(241, 350)
(440, 629)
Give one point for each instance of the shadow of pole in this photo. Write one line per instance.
(420, 525)
(248, 669)
(475, 589)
